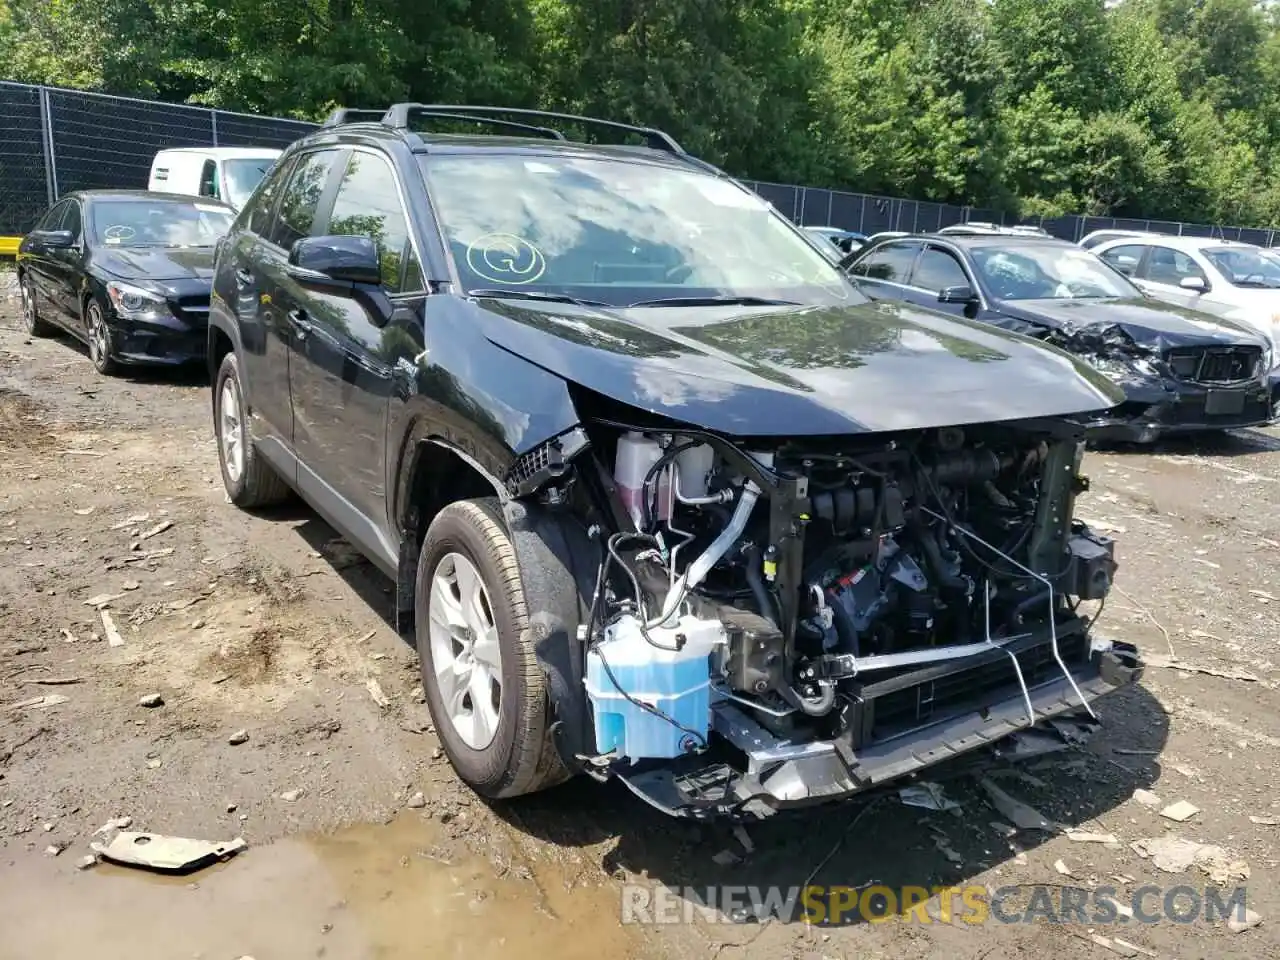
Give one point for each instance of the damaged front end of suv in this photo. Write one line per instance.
(778, 622)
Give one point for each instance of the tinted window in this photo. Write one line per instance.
(209, 179)
(260, 210)
(1166, 265)
(301, 199)
(1125, 258)
(938, 269)
(72, 219)
(368, 205)
(891, 262)
(53, 219)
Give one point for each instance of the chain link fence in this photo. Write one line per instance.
(53, 141)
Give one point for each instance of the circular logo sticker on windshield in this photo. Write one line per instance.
(506, 258)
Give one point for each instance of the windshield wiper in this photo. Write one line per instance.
(1263, 284)
(714, 302)
(536, 295)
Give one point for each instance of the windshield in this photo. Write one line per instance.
(1244, 266)
(620, 233)
(242, 176)
(1048, 272)
(159, 223)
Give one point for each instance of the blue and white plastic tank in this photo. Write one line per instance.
(678, 683)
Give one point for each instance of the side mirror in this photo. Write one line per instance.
(54, 239)
(335, 262)
(961, 294)
(1197, 284)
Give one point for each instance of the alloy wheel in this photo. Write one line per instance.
(99, 348)
(231, 429)
(465, 651)
(28, 306)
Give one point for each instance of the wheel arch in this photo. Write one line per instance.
(553, 553)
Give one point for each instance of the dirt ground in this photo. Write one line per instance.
(272, 626)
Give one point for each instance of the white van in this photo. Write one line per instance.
(228, 173)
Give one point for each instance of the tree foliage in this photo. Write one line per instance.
(1151, 108)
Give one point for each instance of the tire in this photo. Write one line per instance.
(249, 480)
(30, 316)
(519, 758)
(99, 338)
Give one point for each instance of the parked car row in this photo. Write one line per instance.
(666, 494)
(1186, 328)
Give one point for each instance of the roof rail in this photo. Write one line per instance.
(351, 115)
(399, 114)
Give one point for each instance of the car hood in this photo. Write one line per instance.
(1148, 323)
(816, 370)
(156, 263)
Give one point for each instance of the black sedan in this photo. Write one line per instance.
(127, 271)
(1181, 370)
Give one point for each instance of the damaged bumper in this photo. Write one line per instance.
(1167, 407)
(902, 725)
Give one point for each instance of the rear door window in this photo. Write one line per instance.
(1168, 266)
(301, 198)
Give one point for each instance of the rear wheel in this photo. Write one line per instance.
(485, 689)
(30, 315)
(249, 480)
(99, 337)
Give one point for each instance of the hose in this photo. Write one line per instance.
(756, 582)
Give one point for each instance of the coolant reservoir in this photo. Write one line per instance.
(678, 683)
(693, 469)
(636, 454)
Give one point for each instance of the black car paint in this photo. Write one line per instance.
(349, 418)
(67, 278)
(1077, 324)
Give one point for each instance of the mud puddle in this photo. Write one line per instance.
(385, 892)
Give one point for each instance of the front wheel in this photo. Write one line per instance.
(99, 336)
(485, 689)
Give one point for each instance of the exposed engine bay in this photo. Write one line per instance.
(774, 604)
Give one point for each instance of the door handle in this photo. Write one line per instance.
(301, 325)
(243, 278)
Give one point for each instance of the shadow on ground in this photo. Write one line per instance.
(870, 840)
(1223, 443)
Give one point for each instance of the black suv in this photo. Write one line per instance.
(664, 496)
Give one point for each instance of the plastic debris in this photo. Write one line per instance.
(1241, 924)
(1180, 812)
(1062, 868)
(1146, 798)
(168, 854)
(1082, 836)
(1177, 855)
(928, 796)
(48, 700)
(1015, 811)
(109, 626)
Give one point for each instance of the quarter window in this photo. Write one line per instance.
(209, 179)
(301, 199)
(260, 210)
(938, 270)
(53, 219)
(368, 205)
(72, 220)
(890, 263)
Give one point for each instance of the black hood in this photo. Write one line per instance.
(156, 263)
(1148, 323)
(800, 370)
